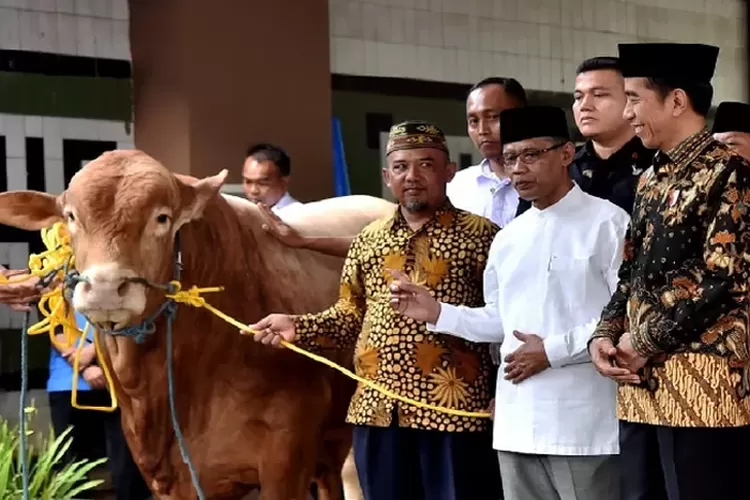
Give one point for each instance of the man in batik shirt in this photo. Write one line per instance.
(676, 331)
(402, 451)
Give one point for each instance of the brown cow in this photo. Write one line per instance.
(250, 415)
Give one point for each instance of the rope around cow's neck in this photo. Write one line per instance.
(49, 265)
(58, 259)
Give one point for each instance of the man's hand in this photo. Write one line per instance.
(527, 360)
(94, 376)
(626, 356)
(412, 300)
(603, 355)
(19, 294)
(281, 230)
(272, 329)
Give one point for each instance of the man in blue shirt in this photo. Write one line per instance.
(95, 433)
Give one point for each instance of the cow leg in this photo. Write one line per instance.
(330, 487)
(290, 487)
(287, 468)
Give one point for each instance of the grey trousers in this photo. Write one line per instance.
(554, 477)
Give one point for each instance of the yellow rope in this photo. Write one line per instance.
(52, 304)
(108, 376)
(56, 314)
(193, 297)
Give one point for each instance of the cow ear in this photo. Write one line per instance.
(29, 210)
(199, 193)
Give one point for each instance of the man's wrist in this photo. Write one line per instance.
(599, 335)
(435, 313)
(643, 344)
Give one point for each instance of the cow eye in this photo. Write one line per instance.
(162, 218)
(70, 217)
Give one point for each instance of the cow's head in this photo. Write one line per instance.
(122, 211)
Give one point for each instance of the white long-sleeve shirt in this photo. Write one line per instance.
(479, 191)
(550, 272)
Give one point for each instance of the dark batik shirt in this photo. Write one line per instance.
(448, 256)
(683, 291)
(615, 178)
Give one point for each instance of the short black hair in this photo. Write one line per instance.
(511, 86)
(700, 94)
(275, 154)
(598, 64)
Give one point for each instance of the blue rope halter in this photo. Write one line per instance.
(139, 333)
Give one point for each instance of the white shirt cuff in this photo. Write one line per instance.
(556, 349)
(447, 320)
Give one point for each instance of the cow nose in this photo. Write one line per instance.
(104, 288)
(122, 288)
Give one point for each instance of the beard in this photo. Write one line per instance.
(416, 206)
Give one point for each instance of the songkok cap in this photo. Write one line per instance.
(690, 62)
(732, 117)
(415, 134)
(519, 124)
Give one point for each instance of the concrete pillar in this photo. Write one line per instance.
(211, 78)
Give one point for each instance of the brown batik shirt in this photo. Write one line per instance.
(447, 255)
(683, 291)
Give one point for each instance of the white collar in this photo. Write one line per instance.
(487, 175)
(570, 201)
(284, 201)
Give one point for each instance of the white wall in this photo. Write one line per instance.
(539, 42)
(94, 28)
(54, 130)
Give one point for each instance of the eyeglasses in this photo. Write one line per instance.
(529, 156)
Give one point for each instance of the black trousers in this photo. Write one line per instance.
(409, 464)
(683, 463)
(97, 435)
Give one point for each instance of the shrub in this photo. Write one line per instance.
(48, 480)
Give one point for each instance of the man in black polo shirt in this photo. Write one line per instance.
(609, 164)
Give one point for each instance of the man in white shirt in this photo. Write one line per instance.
(485, 189)
(265, 177)
(549, 273)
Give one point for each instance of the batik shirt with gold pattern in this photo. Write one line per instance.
(447, 255)
(683, 290)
